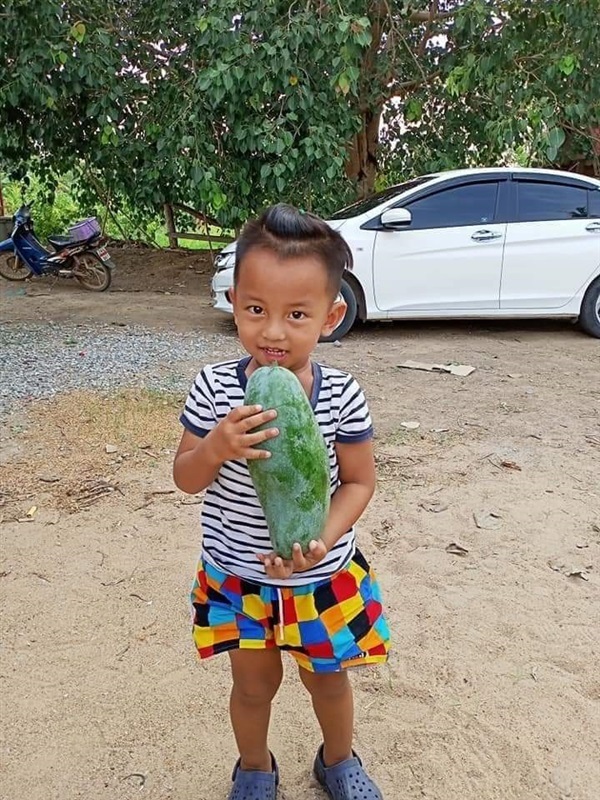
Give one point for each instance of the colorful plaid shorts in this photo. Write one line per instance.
(326, 626)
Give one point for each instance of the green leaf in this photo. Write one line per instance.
(567, 64)
(413, 110)
(555, 139)
(343, 83)
(77, 32)
(353, 73)
(197, 174)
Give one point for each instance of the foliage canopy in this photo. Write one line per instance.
(227, 104)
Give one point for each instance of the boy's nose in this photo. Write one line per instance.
(274, 330)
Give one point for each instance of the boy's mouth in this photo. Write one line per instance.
(273, 354)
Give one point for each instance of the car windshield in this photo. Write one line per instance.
(369, 203)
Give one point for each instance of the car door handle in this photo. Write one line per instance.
(485, 236)
(593, 226)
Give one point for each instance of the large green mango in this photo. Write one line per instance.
(293, 485)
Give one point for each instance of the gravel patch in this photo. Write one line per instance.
(40, 360)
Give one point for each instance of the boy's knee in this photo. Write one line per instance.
(330, 686)
(256, 690)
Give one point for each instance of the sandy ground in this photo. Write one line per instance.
(485, 531)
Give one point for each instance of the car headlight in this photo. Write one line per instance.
(224, 261)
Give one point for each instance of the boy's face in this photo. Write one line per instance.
(282, 307)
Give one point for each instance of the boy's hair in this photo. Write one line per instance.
(290, 233)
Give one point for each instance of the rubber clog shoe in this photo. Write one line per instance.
(346, 780)
(254, 785)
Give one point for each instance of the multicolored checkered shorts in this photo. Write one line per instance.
(326, 626)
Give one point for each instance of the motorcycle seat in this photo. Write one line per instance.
(60, 241)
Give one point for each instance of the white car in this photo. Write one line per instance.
(468, 244)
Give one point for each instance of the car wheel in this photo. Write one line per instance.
(349, 317)
(589, 316)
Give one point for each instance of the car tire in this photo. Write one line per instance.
(589, 315)
(349, 317)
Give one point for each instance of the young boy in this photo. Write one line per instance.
(322, 606)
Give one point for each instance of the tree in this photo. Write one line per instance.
(228, 104)
(522, 77)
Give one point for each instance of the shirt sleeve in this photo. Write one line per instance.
(199, 415)
(355, 423)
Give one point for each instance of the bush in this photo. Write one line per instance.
(52, 212)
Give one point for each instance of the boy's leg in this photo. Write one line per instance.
(333, 703)
(257, 675)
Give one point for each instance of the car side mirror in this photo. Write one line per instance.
(396, 218)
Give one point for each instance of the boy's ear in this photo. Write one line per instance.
(334, 317)
(231, 295)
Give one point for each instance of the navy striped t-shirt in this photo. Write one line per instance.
(233, 522)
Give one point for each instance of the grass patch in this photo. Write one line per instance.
(62, 443)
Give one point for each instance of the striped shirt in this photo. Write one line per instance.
(233, 523)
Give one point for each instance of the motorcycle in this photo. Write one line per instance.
(80, 255)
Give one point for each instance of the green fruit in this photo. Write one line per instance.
(293, 485)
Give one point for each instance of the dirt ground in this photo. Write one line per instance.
(485, 531)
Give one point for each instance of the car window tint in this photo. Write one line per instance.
(539, 201)
(469, 204)
(369, 203)
(594, 207)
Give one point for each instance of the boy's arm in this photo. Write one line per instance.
(357, 484)
(195, 466)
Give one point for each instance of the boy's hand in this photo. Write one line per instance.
(278, 567)
(232, 438)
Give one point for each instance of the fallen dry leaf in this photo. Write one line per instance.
(456, 549)
(49, 478)
(569, 572)
(462, 370)
(434, 507)
(578, 573)
(487, 520)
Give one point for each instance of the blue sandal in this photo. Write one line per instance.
(347, 780)
(254, 785)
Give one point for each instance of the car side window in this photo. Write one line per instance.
(469, 204)
(539, 201)
(594, 206)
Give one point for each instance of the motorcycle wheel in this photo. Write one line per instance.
(92, 273)
(13, 269)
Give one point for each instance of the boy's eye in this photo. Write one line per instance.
(298, 315)
(255, 309)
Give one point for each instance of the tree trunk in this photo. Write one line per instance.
(170, 224)
(362, 164)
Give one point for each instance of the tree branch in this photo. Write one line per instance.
(199, 215)
(399, 90)
(430, 16)
(433, 10)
